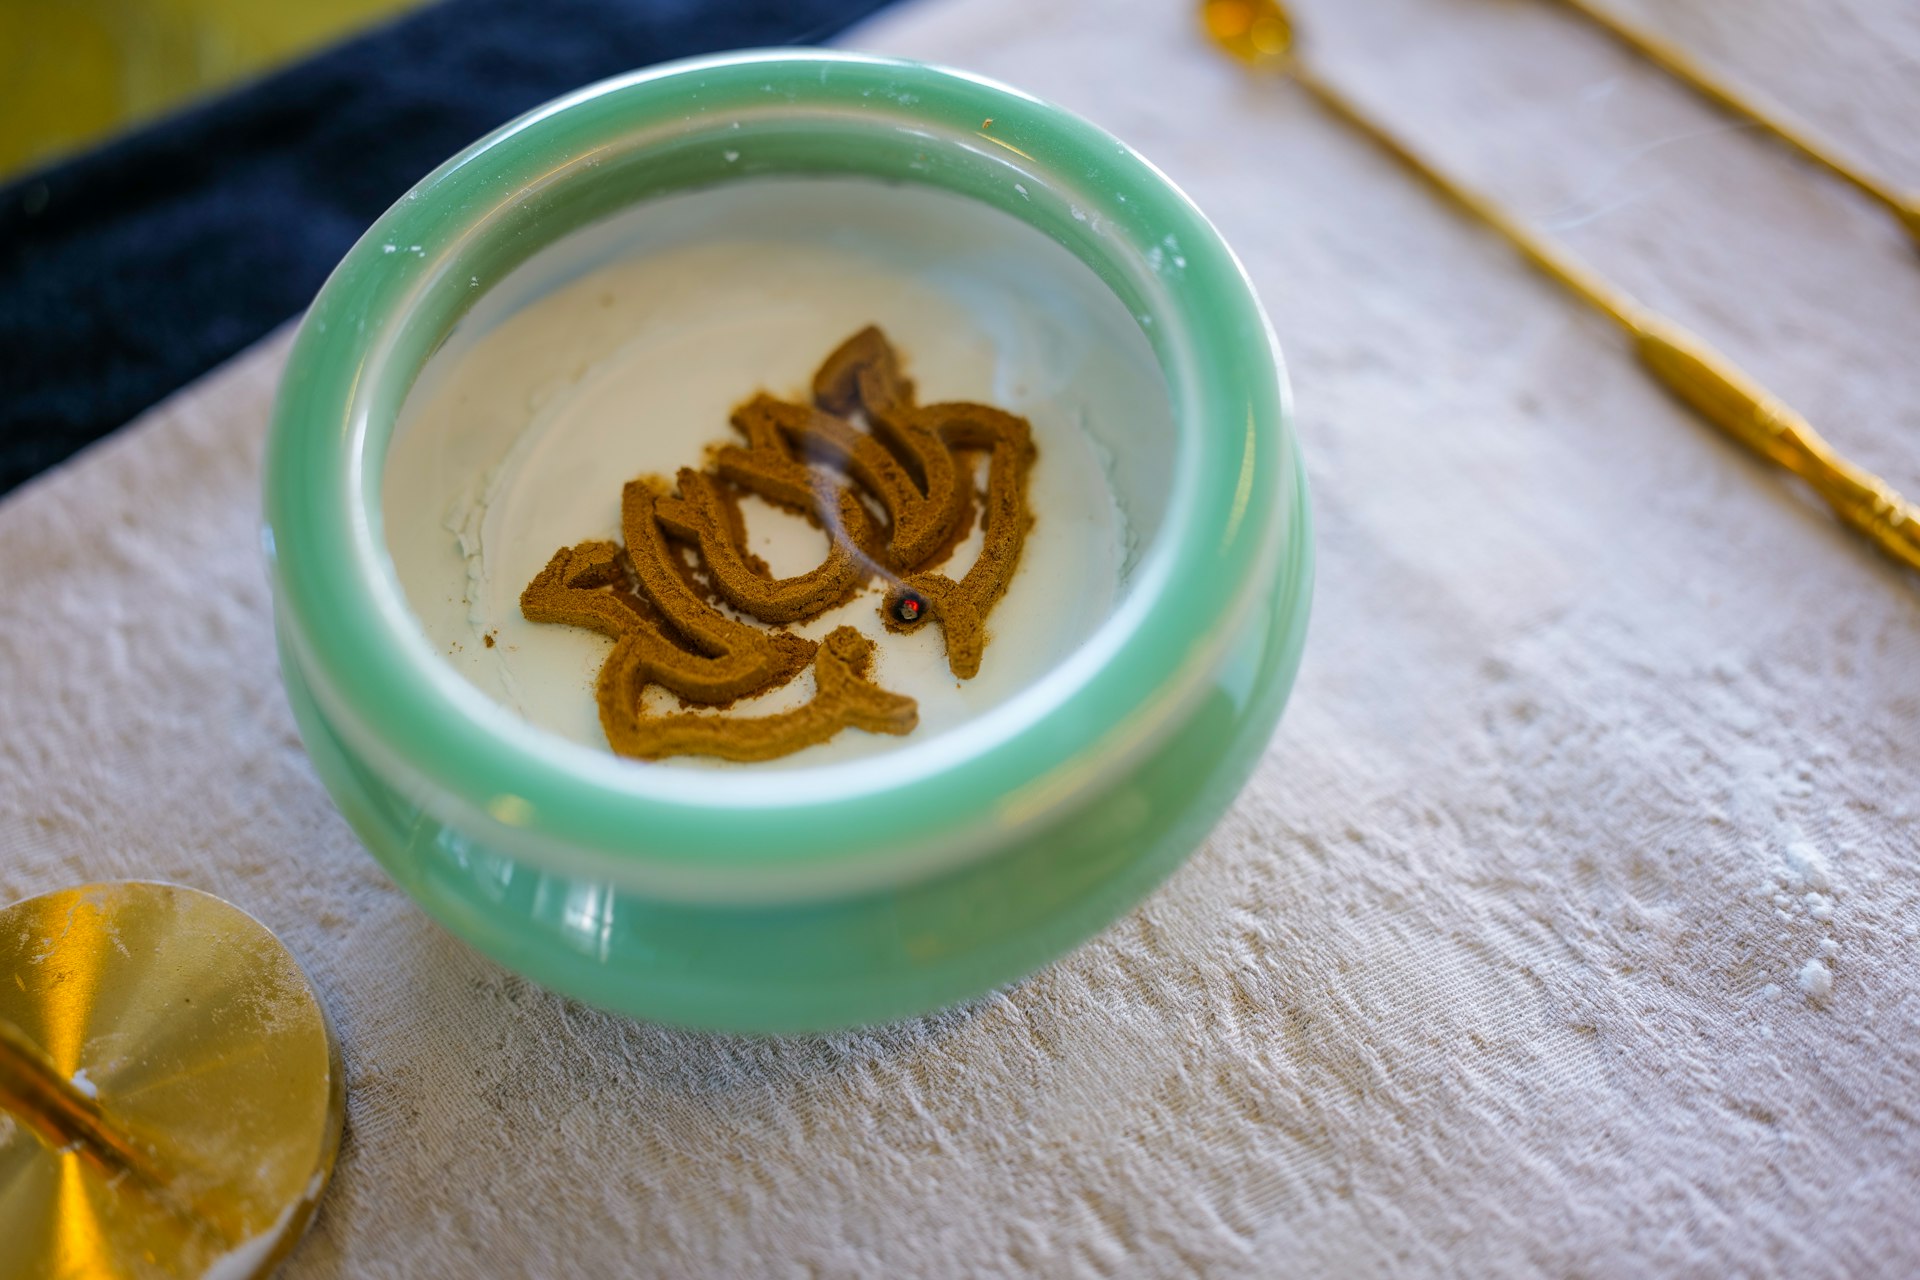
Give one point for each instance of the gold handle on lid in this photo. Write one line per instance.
(170, 1092)
(60, 1113)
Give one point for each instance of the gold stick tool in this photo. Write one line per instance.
(1729, 97)
(1260, 34)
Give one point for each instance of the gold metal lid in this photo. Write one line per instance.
(171, 1096)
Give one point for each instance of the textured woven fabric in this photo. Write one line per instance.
(1571, 925)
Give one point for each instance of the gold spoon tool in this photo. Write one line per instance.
(1260, 34)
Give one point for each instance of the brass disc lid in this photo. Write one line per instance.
(171, 1096)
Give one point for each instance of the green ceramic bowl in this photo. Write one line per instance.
(795, 903)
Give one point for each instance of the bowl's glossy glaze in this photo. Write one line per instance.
(795, 903)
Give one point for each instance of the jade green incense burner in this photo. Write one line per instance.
(845, 893)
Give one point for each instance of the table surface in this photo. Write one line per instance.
(1604, 735)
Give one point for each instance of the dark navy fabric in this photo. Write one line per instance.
(130, 271)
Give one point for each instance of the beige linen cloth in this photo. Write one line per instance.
(1571, 925)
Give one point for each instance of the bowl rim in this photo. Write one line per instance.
(477, 768)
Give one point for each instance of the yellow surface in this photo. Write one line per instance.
(75, 71)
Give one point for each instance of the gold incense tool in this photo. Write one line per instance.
(1729, 97)
(171, 1096)
(1260, 34)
